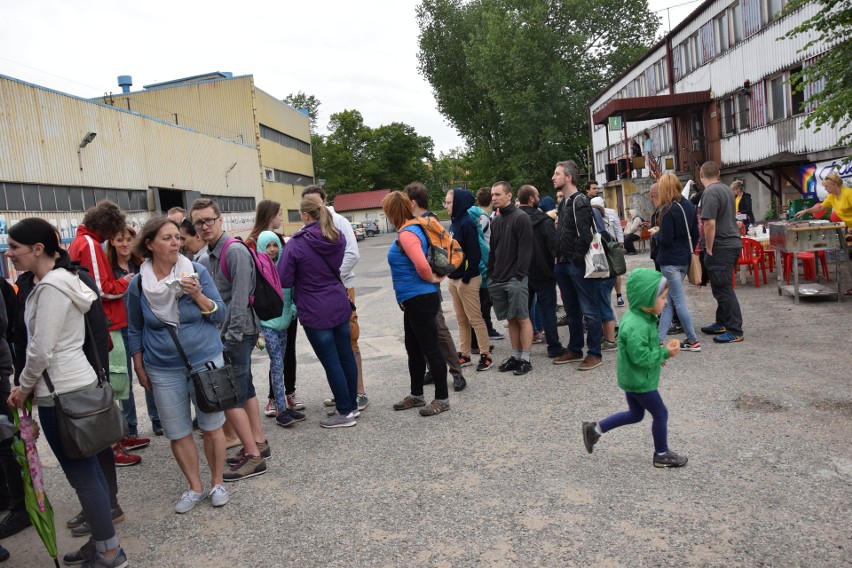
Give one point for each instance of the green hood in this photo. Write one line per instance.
(642, 287)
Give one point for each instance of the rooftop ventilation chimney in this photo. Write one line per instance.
(125, 82)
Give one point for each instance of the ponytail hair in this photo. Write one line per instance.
(312, 205)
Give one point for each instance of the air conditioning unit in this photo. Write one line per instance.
(269, 173)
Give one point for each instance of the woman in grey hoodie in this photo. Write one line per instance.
(57, 349)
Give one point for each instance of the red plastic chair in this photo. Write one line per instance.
(808, 265)
(769, 258)
(751, 256)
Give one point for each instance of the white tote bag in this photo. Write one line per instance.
(597, 265)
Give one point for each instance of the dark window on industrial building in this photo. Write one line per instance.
(284, 139)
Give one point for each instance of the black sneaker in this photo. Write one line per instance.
(459, 383)
(675, 329)
(157, 427)
(590, 435)
(76, 521)
(464, 360)
(428, 379)
(714, 329)
(14, 522)
(669, 459)
(563, 320)
(509, 364)
(523, 368)
(484, 362)
(4, 554)
(87, 552)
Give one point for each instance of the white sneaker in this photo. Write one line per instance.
(270, 409)
(329, 401)
(219, 496)
(189, 500)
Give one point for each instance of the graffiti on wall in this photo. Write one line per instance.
(811, 176)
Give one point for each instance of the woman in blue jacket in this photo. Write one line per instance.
(676, 236)
(171, 290)
(417, 292)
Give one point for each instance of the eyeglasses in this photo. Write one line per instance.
(205, 222)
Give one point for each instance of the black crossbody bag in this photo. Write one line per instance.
(216, 388)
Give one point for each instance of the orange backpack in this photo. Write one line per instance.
(443, 252)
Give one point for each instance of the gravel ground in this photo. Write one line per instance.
(503, 478)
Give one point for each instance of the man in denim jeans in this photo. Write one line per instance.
(578, 294)
(239, 335)
(721, 243)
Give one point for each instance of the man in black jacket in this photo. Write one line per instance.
(542, 282)
(576, 225)
(508, 265)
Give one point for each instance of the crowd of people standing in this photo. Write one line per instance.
(178, 296)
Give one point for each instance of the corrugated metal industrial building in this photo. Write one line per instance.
(61, 154)
(728, 54)
(233, 108)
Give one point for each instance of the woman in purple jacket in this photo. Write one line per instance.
(311, 265)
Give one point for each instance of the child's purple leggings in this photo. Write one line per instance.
(638, 404)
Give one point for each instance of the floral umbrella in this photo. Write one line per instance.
(37, 504)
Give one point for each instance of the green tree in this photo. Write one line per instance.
(344, 153)
(514, 76)
(354, 157)
(397, 156)
(832, 25)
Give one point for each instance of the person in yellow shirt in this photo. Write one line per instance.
(839, 199)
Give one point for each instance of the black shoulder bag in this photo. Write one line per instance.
(216, 389)
(89, 421)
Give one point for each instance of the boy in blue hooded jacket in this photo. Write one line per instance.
(465, 281)
(640, 356)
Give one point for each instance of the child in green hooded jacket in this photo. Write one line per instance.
(640, 356)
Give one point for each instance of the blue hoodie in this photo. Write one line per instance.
(463, 229)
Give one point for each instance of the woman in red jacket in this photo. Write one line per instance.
(101, 223)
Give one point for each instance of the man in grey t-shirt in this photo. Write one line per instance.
(722, 244)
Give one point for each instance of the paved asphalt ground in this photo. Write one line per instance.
(503, 478)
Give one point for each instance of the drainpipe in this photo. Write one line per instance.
(670, 68)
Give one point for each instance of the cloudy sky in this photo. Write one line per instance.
(350, 55)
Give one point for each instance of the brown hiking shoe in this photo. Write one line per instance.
(434, 407)
(590, 363)
(567, 357)
(250, 466)
(409, 402)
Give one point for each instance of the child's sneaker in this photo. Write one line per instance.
(294, 404)
(464, 360)
(590, 436)
(669, 459)
(269, 409)
(688, 345)
(484, 362)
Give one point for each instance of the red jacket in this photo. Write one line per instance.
(86, 249)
